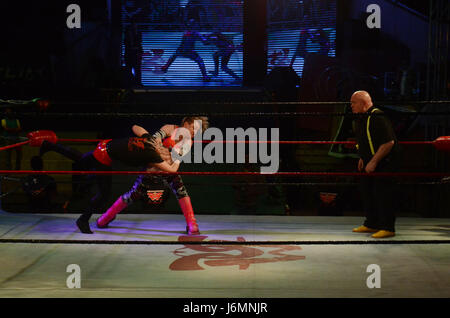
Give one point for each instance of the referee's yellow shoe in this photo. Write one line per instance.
(383, 234)
(364, 229)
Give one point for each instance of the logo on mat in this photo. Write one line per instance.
(155, 195)
(201, 256)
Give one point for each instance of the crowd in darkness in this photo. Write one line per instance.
(172, 14)
(297, 10)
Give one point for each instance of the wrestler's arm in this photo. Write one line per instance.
(138, 130)
(204, 39)
(162, 133)
(168, 129)
(165, 166)
(210, 38)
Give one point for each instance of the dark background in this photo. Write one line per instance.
(80, 71)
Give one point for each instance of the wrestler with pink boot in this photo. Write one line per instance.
(146, 183)
(133, 151)
(140, 190)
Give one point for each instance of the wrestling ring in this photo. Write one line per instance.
(234, 256)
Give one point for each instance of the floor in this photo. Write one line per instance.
(235, 256)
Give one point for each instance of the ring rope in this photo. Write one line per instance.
(222, 242)
(15, 145)
(443, 181)
(294, 142)
(238, 103)
(237, 173)
(288, 142)
(234, 114)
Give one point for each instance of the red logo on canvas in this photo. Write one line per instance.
(328, 198)
(155, 195)
(229, 255)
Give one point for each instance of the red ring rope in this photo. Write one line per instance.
(298, 142)
(15, 145)
(234, 173)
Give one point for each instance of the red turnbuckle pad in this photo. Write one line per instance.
(38, 137)
(442, 143)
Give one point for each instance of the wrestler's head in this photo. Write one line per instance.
(192, 24)
(193, 124)
(360, 102)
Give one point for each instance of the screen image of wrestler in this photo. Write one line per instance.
(173, 47)
(289, 48)
(298, 28)
(172, 64)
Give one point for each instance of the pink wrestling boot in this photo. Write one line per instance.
(186, 207)
(110, 215)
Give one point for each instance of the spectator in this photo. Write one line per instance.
(246, 195)
(40, 189)
(11, 130)
(133, 54)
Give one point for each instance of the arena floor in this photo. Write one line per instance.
(256, 257)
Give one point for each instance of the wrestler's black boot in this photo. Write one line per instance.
(231, 73)
(202, 67)
(167, 65)
(83, 223)
(45, 147)
(215, 73)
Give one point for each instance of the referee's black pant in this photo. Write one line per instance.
(378, 198)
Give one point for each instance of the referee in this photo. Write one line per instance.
(377, 148)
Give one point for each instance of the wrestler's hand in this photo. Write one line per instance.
(169, 142)
(163, 151)
(360, 165)
(155, 142)
(164, 166)
(371, 166)
(165, 154)
(183, 147)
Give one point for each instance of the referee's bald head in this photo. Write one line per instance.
(361, 101)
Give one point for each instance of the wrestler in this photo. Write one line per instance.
(226, 48)
(187, 50)
(145, 185)
(134, 151)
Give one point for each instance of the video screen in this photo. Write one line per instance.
(182, 43)
(297, 28)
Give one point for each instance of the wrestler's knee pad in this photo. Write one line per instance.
(180, 192)
(130, 197)
(135, 192)
(177, 186)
